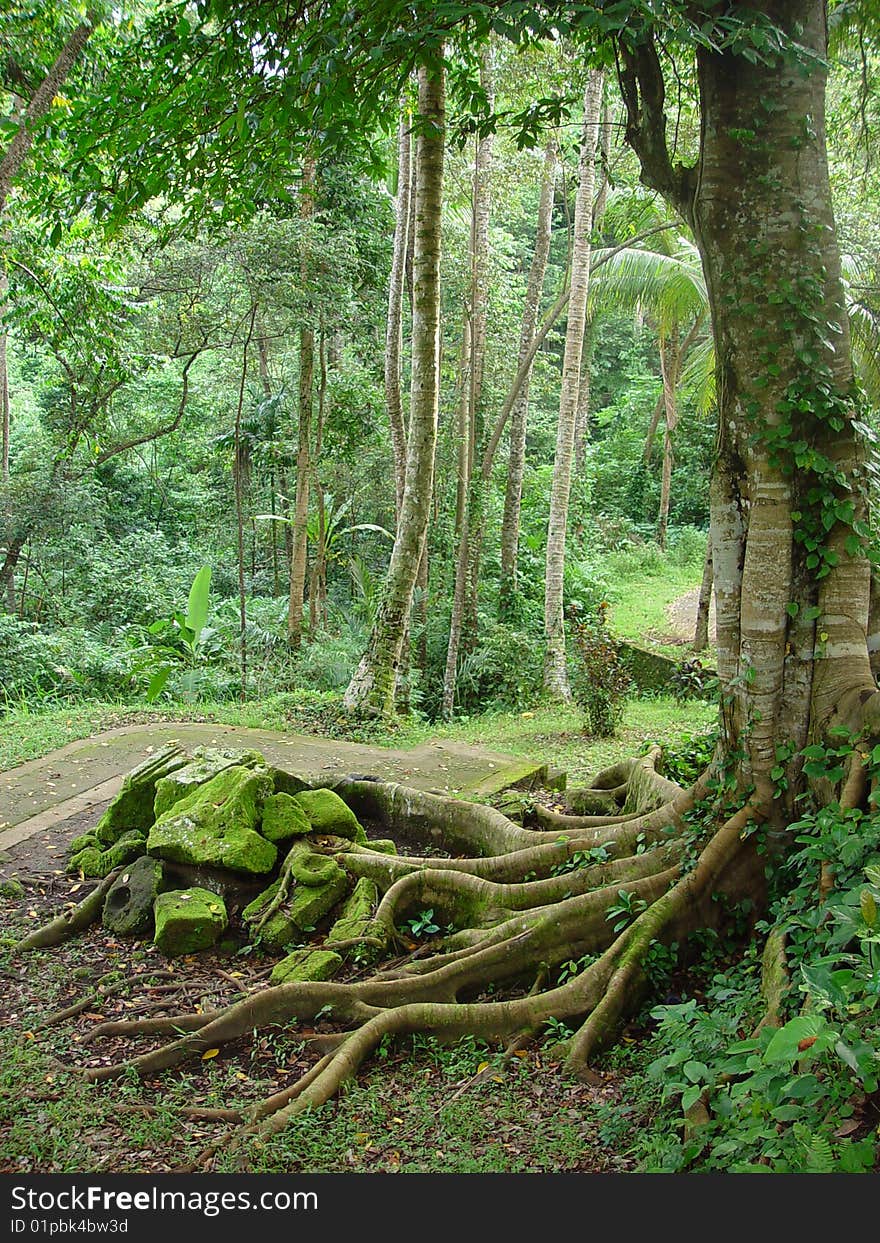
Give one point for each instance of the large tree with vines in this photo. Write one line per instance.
(792, 576)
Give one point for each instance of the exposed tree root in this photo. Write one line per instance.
(75, 919)
(522, 902)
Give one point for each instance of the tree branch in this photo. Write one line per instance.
(644, 95)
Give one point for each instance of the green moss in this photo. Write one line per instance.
(384, 845)
(83, 842)
(306, 964)
(287, 783)
(309, 901)
(283, 818)
(128, 907)
(207, 763)
(327, 813)
(215, 824)
(133, 806)
(313, 869)
(188, 920)
(356, 918)
(11, 888)
(93, 861)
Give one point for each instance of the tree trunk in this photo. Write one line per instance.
(5, 500)
(371, 689)
(41, 102)
(555, 671)
(669, 368)
(785, 490)
(299, 550)
(266, 382)
(471, 429)
(394, 326)
(701, 628)
(520, 410)
(582, 419)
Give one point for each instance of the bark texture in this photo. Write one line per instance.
(519, 412)
(371, 689)
(555, 670)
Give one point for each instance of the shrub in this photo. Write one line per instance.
(601, 684)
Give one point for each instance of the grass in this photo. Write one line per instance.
(549, 732)
(642, 585)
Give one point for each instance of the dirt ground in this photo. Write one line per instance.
(681, 616)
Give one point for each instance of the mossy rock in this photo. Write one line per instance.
(307, 903)
(287, 783)
(384, 845)
(356, 918)
(306, 964)
(311, 903)
(83, 842)
(188, 920)
(11, 888)
(206, 764)
(128, 907)
(215, 825)
(132, 808)
(283, 818)
(93, 861)
(327, 813)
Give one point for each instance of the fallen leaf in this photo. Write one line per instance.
(208, 1053)
(847, 1128)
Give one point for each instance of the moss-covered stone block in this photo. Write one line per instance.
(310, 903)
(83, 841)
(132, 808)
(128, 907)
(306, 964)
(318, 883)
(356, 918)
(283, 818)
(92, 860)
(287, 783)
(215, 825)
(188, 920)
(206, 764)
(327, 813)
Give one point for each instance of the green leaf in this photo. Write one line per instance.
(157, 683)
(197, 606)
(783, 1046)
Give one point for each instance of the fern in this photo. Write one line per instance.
(820, 1158)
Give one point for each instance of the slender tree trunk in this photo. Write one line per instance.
(266, 382)
(669, 374)
(238, 479)
(555, 670)
(371, 689)
(299, 561)
(520, 410)
(582, 419)
(462, 428)
(5, 432)
(394, 327)
(701, 629)
(22, 140)
(318, 577)
(471, 430)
